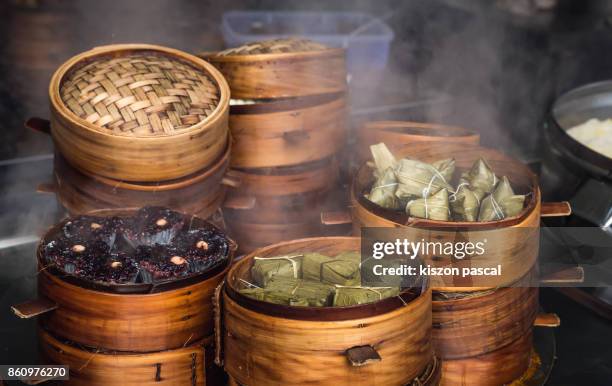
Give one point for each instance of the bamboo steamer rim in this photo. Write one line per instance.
(114, 289)
(163, 186)
(74, 347)
(532, 203)
(115, 49)
(328, 313)
(275, 57)
(436, 130)
(284, 104)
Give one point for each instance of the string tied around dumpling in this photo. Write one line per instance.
(294, 264)
(249, 284)
(453, 195)
(499, 212)
(385, 185)
(373, 289)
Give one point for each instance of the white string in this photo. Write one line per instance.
(499, 213)
(249, 284)
(453, 195)
(288, 258)
(385, 186)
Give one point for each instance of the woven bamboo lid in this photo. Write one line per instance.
(140, 93)
(276, 46)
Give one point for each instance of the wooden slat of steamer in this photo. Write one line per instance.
(181, 367)
(289, 137)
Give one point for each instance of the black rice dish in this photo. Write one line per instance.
(156, 244)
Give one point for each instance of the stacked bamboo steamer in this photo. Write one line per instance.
(287, 121)
(139, 124)
(322, 346)
(128, 334)
(482, 334)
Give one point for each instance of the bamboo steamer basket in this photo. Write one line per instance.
(287, 132)
(189, 365)
(482, 322)
(138, 112)
(399, 133)
(277, 204)
(121, 317)
(281, 68)
(517, 237)
(201, 193)
(268, 344)
(496, 368)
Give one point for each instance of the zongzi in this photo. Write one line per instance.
(316, 294)
(331, 270)
(264, 269)
(383, 159)
(352, 296)
(418, 179)
(481, 177)
(383, 190)
(465, 203)
(432, 208)
(501, 203)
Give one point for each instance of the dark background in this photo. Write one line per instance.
(471, 63)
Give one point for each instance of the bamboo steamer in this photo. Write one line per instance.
(516, 238)
(268, 344)
(399, 133)
(281, 68)
(284, 203)
(482, 322)
(201, 193)
(496, 368)
(288, 132)
(121, 317)
(139, 112)
(189, 365)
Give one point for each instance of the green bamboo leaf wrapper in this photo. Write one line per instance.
(418, 179)
(432, 208)
(465, 202)
(352, 296)
(264, 269)
(332, 270)
(383, 190)
(446, 167)
(481, 177)
(315, 294)
(501, 203)
(383, 159)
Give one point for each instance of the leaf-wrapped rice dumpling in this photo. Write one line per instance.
(254, 293)
(432, 208)
(332, 270)
(265, 269)
(383, 190)
(501, 203)
(481, 177)
(352, 296)
(446, 167)
(383, 159)
(465, 202)
(418, 179)
(315, 294)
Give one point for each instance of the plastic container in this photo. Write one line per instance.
(365, 38)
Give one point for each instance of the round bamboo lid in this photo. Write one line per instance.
(140, 93)
(276, 46)
(281, 68)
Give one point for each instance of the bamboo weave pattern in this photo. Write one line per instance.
(140, 95)
(275, 46)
